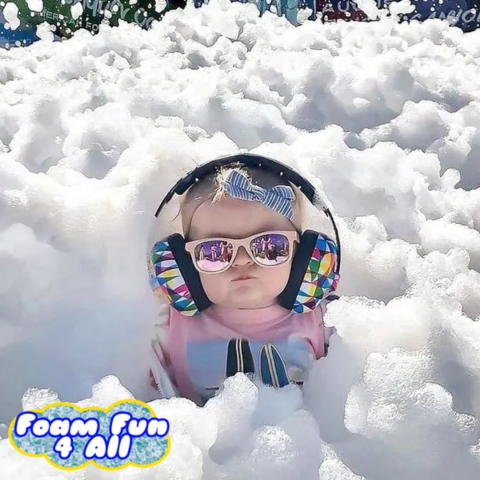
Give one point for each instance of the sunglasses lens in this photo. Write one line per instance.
(272, 249)
(213, 255)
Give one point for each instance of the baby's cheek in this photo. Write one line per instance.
(213, 286)
(276, 279)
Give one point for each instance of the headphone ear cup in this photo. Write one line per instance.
(313, 274)
(174, 277)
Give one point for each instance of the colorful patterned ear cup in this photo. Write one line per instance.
(174, 278)
(313, 273)
(320, 278)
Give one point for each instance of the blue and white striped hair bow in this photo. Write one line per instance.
(279, 198)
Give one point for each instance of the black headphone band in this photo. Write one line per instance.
(253, 161)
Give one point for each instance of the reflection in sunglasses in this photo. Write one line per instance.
(266, 250)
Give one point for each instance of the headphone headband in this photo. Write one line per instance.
(253, 161)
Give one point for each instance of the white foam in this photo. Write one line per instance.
(10, 12)
(35, 5)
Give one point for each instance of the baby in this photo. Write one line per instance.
(242, 248)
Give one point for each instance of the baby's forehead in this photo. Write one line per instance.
(230, 217)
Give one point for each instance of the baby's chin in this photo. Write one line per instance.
(245, 298)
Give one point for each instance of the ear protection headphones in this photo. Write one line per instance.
(315, 268)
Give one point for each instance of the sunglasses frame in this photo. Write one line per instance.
(291, 235)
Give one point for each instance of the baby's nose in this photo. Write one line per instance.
(242, 258)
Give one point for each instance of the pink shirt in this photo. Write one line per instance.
(271, 344)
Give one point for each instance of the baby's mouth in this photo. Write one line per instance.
(242, 278)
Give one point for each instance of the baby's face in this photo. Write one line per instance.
(234, 218)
